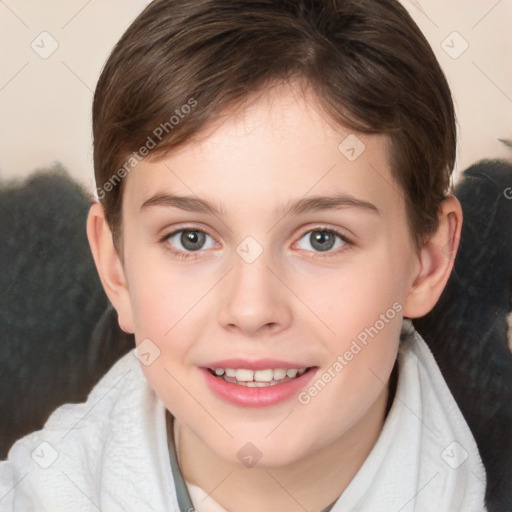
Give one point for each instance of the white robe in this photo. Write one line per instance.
(110, 453)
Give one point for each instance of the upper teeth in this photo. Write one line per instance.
(269, 375)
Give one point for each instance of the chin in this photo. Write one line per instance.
(277, 450)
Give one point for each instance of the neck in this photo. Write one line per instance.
(309, 484)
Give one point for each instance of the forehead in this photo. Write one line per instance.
(278, 147)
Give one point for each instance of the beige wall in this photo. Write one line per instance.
(45, 102)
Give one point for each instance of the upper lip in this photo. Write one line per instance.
(259, 364)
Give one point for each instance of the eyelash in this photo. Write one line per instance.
(184, 255)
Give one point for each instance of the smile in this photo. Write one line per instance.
(258, 378)
(264, 383)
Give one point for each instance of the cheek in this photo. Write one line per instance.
(361, 311)
(154, 306)
(351, 298)
(162, 294)
(362, 353)
(171, 306)
(164, 304)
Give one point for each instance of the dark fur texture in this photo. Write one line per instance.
(59, 335)
(50, 301)
(467, 329)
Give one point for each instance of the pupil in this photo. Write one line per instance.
(192, 240)
(322, 240)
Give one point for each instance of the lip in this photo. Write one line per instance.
(260, 364)
(244, 396)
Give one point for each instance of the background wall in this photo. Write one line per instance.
(52, 53)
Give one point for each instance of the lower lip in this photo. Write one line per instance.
(245, 396)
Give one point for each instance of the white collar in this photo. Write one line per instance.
(112, 451)
(425, 458)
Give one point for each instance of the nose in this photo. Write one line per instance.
(254, 302)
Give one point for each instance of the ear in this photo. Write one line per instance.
(436, 259)
(109, 266)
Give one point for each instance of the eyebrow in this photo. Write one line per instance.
(324, 203)
(188, 203)
(294, 207)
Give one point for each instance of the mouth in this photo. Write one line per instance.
(263, 384)
(258, 378)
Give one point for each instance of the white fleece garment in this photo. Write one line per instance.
(110, 453)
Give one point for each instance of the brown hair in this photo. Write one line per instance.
(183, 62)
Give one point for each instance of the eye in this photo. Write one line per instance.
(189, 240)
(322, 240)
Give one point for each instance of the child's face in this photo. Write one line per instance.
(301, 303)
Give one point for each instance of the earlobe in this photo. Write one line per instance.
(436, 259)
(109, 266)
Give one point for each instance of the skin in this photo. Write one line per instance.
(293, 302)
